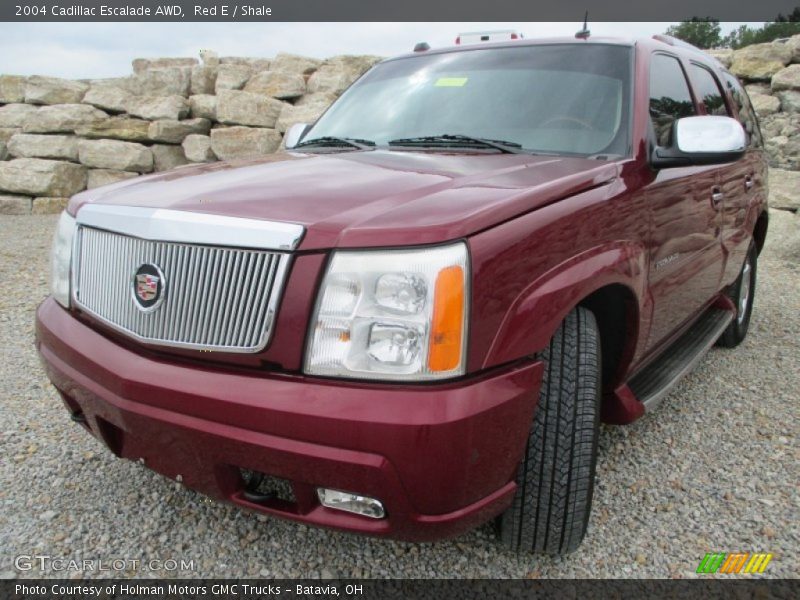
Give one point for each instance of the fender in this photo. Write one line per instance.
(535, 315)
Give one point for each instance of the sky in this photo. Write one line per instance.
(95, 50)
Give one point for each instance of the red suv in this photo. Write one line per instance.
(412, 322)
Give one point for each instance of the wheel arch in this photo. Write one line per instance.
(610, 281)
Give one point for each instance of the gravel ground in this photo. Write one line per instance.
(715, 468)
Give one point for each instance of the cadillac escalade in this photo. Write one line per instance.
(412, 321)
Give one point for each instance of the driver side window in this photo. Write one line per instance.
(670, 98)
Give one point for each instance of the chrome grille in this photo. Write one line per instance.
(215, 298)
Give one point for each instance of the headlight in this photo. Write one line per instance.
(393, 315)
(61, 259)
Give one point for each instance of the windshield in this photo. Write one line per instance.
(562, 98)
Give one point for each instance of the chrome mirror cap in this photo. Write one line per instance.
(294, 134)
(709, 134)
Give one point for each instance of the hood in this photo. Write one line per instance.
(370, 198)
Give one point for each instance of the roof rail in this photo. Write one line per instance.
(673, 41)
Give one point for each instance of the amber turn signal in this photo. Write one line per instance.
(447, 325)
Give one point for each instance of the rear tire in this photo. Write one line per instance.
(742, 294)
(555, 481)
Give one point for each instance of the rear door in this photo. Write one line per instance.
(685, 207)
(736, 180)
(748, 184)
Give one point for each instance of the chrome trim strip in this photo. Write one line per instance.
(165, 225)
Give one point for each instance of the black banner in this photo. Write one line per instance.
(438, 589)
(376, 10)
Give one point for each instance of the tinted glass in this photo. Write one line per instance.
(707, 90)
(670, 98)
(564, 98)
(747, 116)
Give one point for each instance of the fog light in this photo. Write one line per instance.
(360, 505)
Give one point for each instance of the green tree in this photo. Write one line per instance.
(703, 32)
(781, 27)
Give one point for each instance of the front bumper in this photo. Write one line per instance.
(441, 458)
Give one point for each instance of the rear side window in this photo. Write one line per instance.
(708, 91)
(670, 98)
(747, 116)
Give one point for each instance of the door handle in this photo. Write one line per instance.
(749, 183)
(716, 197)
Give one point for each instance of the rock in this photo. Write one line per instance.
(109, 98)
(760, 61)
(118, 128)
(794, 45)
(62, 118)
(15, 205)
(48, 206)
(787, 79)
(174, 132)
(209, 58)
(101, 177)
(244, 108)
(6, 133)
(243, 142)
(40, 177)
(15, 115)
(163, 82)
(3, 151)
(307, 113)
(723, 55)
(337, 73)
(167, 157)
(278, 84)
(320, 98)
(757, 88)
(12, 88)
(159, 107)
(292, 63)
(140, 65)
(204, 79)
(53, 90)
(232, 77)
(115, 154)
(783, 238)
(764, 104)
(784, 189)
(197, 148)
(32, 145)
(790, 101)
(254, 64)
(203, 106)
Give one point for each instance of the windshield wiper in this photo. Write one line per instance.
(450, 140)
(333, 141)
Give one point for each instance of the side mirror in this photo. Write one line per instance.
(294, 134)
(705, 140)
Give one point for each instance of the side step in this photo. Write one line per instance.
(656, 380)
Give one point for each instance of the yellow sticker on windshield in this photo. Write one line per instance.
(451, 81)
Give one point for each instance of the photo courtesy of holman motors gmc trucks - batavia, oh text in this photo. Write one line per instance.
(413, 320)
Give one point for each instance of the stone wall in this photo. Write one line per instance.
(771, 74)
(58, 137)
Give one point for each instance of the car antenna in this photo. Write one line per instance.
(584, 33)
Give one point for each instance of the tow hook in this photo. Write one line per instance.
(251, 492)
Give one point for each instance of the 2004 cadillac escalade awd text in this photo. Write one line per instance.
(412, 321)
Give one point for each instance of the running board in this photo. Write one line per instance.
(654, 382)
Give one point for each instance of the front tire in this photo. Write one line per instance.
(742, 294)
(555, 481)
